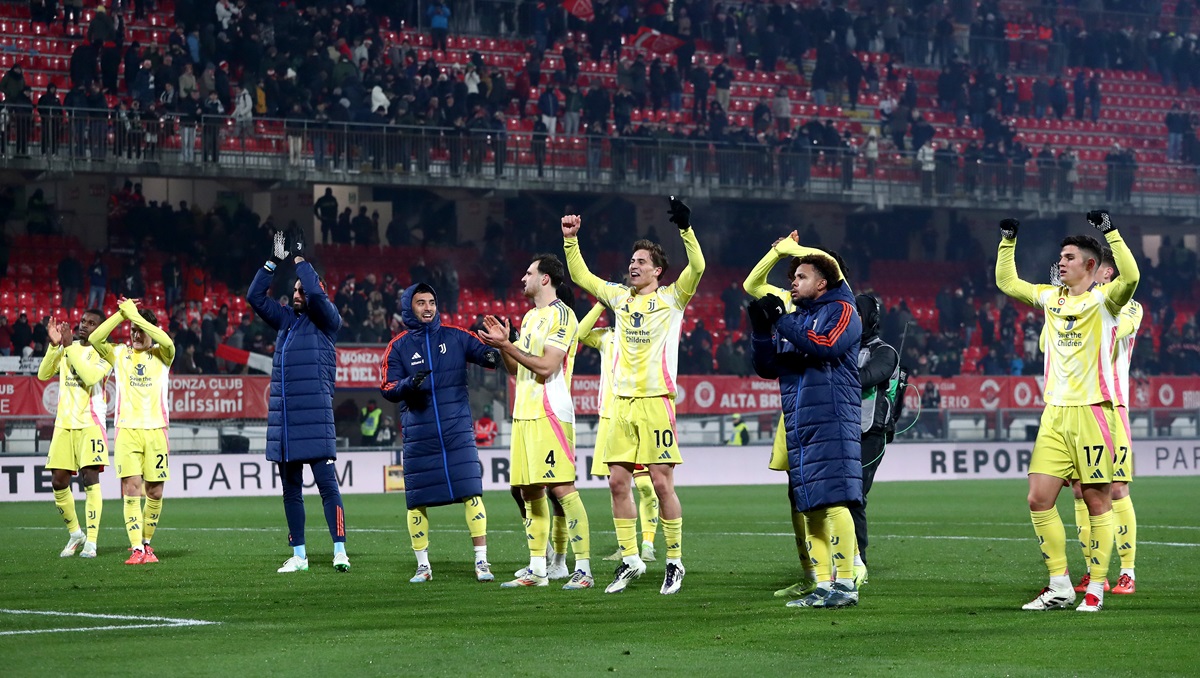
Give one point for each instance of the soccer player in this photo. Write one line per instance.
(603, 339)
(649, 320)
(1124, 518)
(300, 429)
(80, 442)
(143, 398)
(813, 352)
(543, 434)
(1079, 433)
(425, 370)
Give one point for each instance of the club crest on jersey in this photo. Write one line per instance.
(1061, 301)
(442, 348)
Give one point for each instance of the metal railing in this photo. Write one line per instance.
(482, 157)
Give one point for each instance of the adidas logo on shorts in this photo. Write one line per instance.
(1097, 474)
(665, 455)
(549, 474)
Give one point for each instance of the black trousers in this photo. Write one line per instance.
(872, 456)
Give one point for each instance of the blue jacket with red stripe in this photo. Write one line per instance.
(814, 355)
(441, 462)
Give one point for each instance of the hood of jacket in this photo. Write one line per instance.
(409, 317)
(868, 310)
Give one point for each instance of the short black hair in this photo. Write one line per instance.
(1106, 259)
(95, 311)
(551, 265)
(148, 315)
(1085, 243)
(657, 255)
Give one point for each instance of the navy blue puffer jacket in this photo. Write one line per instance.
(814, 355)
(303, 370)
(441, 462)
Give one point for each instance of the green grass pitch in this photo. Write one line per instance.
(951, 564)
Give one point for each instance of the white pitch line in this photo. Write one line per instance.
(170, 622)
(715, 534)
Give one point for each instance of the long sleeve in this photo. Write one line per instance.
(837, 327)
(272, 313)
(88, 372)
(1118, 292)
(320, 308)
(587, 336)
(756, 284)
(1130, 321)
(397, 383)
(689, 278)
(879, 367)
(1007, 279)
(166, 347)
(789, 247)
(478, 352)
(99, 336)
(580, 275)
(762, 354)
(49, 365)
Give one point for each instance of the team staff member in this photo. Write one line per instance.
(300, 426)
(543, 436)
(813, 352)
(80, 442)
(368, 427)
(878, 372)
(143, 402)
(1079, 433)
(604, 340)
(741, 432)
(425, 370)
(649, 321)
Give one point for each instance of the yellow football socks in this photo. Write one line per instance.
(1102, 544)
(418, 528)
(1052, 539)
(842, 541)
(647, 506)
(577, 526)
(1083, 529)
(150, 514)
(476, 516)
(801, 539)
(627, 535)
(559, 535)
(1126, 530)
(133, 520)
(65, 502)
(673, 535)
(94, 505)
(537, 526)
(818, 547)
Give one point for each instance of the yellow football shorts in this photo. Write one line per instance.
(643, 432)
(1123, 442)
(1078, 441)
(779, 455)
(143, 452)
(543, 452)
(75, 448)
(599, 465)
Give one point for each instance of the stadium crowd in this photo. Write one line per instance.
(328, 70)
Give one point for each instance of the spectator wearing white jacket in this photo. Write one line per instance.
(925, 158)
(227, 13)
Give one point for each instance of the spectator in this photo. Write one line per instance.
(439, 23)
(101, 29)
(6, 342)
(548, 110)
(1176, 123)
(70, 279)
(213, 114)
(243, 114)
(97, 282)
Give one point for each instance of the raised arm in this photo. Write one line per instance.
(268, 309)
(1120, 291)
(49, 365)
(166, 347)
(689, 278)
(756, 284)
(835, 328)
(478, 352)
(790, 248)
(1006, 275)
(321, 309)
(99, 337)
(588, 335)
(1130, 321)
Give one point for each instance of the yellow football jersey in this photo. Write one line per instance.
(1130, 321)
(81, 376)
(604, 340)
(537, 398)
(647, 325)
(143, 388)
(1081, 330)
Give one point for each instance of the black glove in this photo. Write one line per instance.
(279, 248)
(1008, 228)
(1101, 221)
(760, 324)
(419, 378)
(773, 307)
(296, 238)
(513, 334)
(680, 214)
